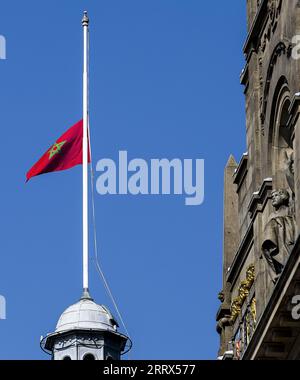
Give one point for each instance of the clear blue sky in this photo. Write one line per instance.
(164, 83)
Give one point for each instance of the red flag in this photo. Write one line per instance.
(65, 153)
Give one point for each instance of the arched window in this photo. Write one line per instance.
(280, 136)
(67, 358)
(89, 357)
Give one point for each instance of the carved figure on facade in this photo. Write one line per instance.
(279, 234)
(237, 303)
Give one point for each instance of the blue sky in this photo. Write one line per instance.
(164, 83)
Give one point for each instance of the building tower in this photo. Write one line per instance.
(85, 331)
(259, 317)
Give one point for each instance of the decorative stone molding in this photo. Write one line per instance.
(253, 37)
(280, 49)
(274, 8)
(241, 255)
(266, 19)
(294, 112)
(241, 171)
(260, 198)
(244, 78)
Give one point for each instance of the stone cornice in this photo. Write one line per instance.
(240, 256)
(260, 198)
(244, 77)
(257, 26)
(224, 310)
(241, 171)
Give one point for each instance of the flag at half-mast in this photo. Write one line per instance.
(65, 153)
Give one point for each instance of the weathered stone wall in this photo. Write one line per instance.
(271, 80)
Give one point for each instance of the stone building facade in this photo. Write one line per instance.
(258, 318)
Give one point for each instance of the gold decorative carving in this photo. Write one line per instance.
(253, 310)
(250, 275)
(244, 290)
(235, 309)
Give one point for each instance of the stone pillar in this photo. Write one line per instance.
(231, 240)
(231, 218)
(252, 6)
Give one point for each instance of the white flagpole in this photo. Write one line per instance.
(85, 25)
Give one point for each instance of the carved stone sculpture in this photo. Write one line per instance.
(250, 275)
(279, 234)
(243, 291)
(221, 296)
(237, 302)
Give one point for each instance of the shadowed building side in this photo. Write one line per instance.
(261, 274)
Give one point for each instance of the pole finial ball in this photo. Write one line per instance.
(85, 20)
